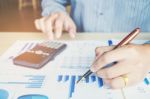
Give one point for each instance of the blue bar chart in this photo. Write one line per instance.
(72, 81)
(64, 81)
(3, 94)
(27, 81)
(91, 79)
(146, 81)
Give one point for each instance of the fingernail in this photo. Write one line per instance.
(50, 37)
(72, 32)
(107, 86)
(57, 36)
(36, 24)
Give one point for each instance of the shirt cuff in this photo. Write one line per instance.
(148, 42)
(51, 9)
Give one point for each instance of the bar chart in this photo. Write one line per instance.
(91, 79)
(77, 63)
(3, 94)
(72, 79)
(24, 81)
(74, 62)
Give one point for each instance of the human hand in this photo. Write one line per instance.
(133, 61)
(54, 24)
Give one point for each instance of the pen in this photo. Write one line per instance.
(125, 41)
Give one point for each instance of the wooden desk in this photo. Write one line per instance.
(8, 38)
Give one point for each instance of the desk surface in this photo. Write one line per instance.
(8, 38)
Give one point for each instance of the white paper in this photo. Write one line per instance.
(70, 64)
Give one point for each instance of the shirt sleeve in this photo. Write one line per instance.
(148, 42)
(50, 6)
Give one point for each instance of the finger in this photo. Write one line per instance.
(58, 28)
(119, 82)
(109, 57)
(100, 50)
(42, 24)
(115, 83)
(70, 27)
(72, 32)
(49, 31)
(36, 23)
(116, 70)
(50, 36)
(50, 22)
(49, 26)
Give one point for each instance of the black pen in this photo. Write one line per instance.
(125, 41)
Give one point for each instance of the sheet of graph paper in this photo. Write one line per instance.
(57, 80)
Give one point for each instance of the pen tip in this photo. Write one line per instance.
(79, 80)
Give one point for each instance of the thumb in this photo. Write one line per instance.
(100, 51)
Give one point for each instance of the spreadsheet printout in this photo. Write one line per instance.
(57, 79)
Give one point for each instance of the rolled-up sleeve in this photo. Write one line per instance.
(50, 6)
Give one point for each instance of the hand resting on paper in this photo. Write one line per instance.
(133, 63)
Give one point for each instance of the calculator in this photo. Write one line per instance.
(40, 54)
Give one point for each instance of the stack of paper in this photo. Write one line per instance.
(57, 79)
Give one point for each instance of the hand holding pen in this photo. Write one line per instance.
(131, 64)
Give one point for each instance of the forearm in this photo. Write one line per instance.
(50, 6)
